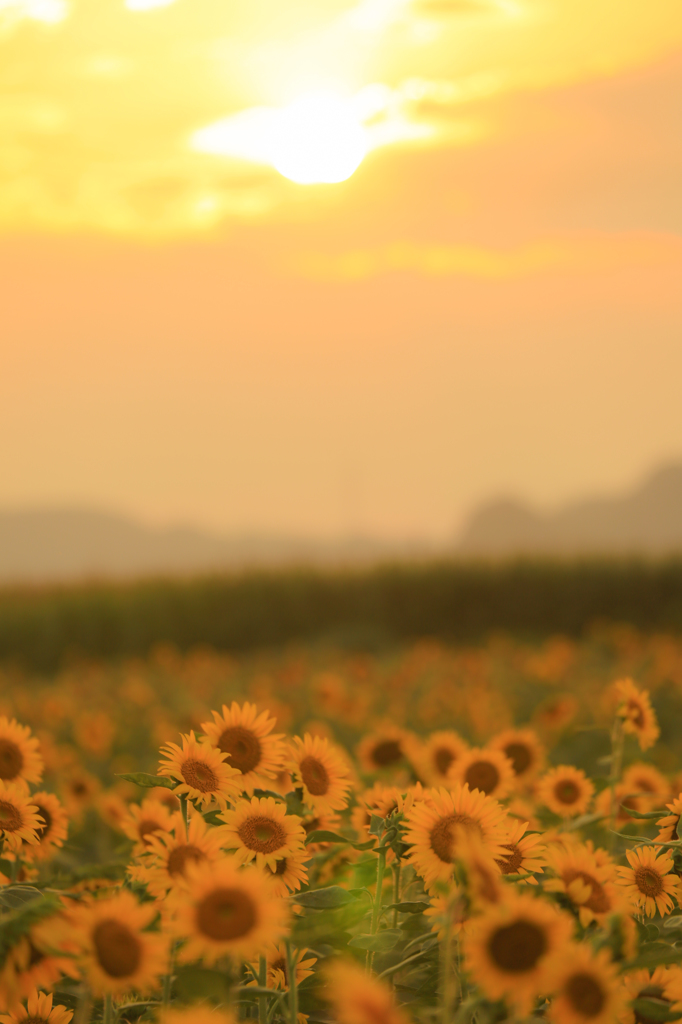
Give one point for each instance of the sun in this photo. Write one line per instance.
(318, 139)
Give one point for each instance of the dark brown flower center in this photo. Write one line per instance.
(635, 713)
(280, 964)
(443, 758)
(264, 835)
(226, 914)
(314, 775)
(117, 948)
(243, 747)
(585, 995)
(386, 752)
(520, 756)
(442, 835)
(566, 792)
(199, 775)
(10, 817)
(42, 830)
(280, 867)
(517, 947)
(146, 827)
(482, 775)
(11, 760)
(32, 1020)
(510, 864)
(598, 902)
(181, 856)
(649, 882)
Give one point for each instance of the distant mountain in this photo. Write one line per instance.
(646, 521)
(67, 544)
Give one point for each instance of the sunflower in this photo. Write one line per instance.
(381, 801)
(201, 1013)
(40, 958)
(118, 954)
(664, 985)
(624, 801)
(668, 825)
(639, 718)
(524, 750)
(358, 998)
(384, 749)
(143, 820)
(201, 770)
(38, 1009)
(19, 819)
(20, 761)
(320, 770)
(227, 911)
(52, 830)
(276, 959)
(261, 830)
(448, 913)
(522, 853)
(433, 759)
(170, 853)
(508, 948)
(79, 790)
(483, 875)
(566, 790)
(289, 873)
(489, 771)
(646, 781)
(589, 885)
(244, 735)
(112, 808)
(586, 987)
(648, 881)
(432, 827)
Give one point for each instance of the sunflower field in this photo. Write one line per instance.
(459, 835)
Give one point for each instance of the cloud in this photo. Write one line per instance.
(49, 12)
(582, 254)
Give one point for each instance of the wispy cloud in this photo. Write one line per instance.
(583, 253)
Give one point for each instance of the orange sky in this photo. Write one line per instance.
(490, 303)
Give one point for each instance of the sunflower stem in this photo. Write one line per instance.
(291, 978)
(108, 1009)
(617, 745)
(396, 890)
(263, 983)
(14, 870)
(183, 809)
(376, 908)
(83, 1006)
(447, 976)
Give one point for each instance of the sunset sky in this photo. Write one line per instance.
(326, 266)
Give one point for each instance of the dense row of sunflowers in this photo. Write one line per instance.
(279, 878)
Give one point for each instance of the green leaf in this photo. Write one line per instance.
(262, 793)
(192, 983)
(325, 899)
(653, 955)
(654, 1009)
(321, 835)
(413, 907)
(377, 826)
(13, 896)
(149, 781)
(642, 814)
(382, 942)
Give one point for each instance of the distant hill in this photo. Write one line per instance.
(67, 544)
(646, 521)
